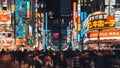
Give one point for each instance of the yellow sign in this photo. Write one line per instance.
(13, 7)
(102, 23)
(78, 26)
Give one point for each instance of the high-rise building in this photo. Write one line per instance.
(98, 5)
(65, 8)
(92, 5)
(54, 6)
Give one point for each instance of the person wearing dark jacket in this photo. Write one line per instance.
(63, 63)
(77, 63)
(19, 56)
(37, 62)
(86, 60)
(99, 60)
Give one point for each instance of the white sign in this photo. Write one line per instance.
(117, 18)
(30, 30)
(110, 10)
(110, 2)
(5, 3)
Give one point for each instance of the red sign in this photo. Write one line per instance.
(56, 35)
(104, 33)
(28, 13)
(4, 18)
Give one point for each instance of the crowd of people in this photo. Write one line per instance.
(63, 59)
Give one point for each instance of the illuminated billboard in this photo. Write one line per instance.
(5, 17)
(20, 41)
(100, 21)
(30, 30)
(28, 9)
(56, 35)
(104, 34)
(4, 4)
(20, 18)
(7, 41)
(74, 12)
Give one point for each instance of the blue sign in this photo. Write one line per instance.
(83, 15)
(20, 16)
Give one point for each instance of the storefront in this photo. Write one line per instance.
(105, 38)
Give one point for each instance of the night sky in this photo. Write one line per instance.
(53, 5)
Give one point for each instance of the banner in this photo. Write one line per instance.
(7, 41)
(104, 33)
(5, 17)
(95, 24)
(56, 35)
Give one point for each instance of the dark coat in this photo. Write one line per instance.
(37, 64)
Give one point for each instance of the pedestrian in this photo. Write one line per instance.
(37, 62)
(13, 56)
(19, 56)
(99, 60)
(86, 59)
(55, 59)
(77, 63)
(48, 61)
(63, 63)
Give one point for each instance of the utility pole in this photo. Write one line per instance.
(109, 8)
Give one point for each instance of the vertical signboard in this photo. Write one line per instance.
(74, 12)
(78, 17)
(100, 20)
(75, 20)
(20, 16)
(28, 9)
